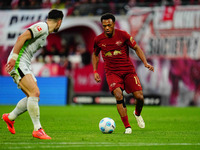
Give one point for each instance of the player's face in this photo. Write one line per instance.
(57, 26)
(108, 26)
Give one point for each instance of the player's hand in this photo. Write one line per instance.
(10, 65)
(150, 67)
(97, 77)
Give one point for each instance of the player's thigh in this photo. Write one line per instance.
(114, 81)
(132, 83)
(29, 85)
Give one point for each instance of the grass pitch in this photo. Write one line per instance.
(76, 127)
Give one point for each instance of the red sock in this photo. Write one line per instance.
(125, 121)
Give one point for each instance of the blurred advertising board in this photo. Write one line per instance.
(53, 91)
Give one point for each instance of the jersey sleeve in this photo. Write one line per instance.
(96, 49)
(38, 29)
(129, 39)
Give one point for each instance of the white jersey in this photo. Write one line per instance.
(39, 33)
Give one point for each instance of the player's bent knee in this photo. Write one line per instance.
(35, 93)
(140, 97)
(118, 94)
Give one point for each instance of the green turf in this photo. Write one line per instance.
(76, 127)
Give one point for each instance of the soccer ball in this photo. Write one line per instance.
(107, 125)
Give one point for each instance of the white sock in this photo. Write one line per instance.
(34, 111)
(20, 108)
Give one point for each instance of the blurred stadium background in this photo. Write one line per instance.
(167, 30)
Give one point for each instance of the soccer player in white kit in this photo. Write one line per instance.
(18, 66)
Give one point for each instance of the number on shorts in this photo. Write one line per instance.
(137, 81)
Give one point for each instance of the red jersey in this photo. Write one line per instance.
(115, 51)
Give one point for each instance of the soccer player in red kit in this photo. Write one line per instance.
(120, 73)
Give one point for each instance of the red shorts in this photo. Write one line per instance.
(128, 82)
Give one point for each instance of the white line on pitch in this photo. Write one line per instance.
(88, 144)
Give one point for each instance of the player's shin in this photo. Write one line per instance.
(34, 111)
(121, 107)
(20, 108)
(139, 106)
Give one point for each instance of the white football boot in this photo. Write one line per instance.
(140, 120)
(128, 131)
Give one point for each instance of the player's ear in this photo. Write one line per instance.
(59, 21)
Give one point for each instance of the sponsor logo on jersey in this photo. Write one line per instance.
(39, 28)
(118, 43)
(117, 52)
(108, 54)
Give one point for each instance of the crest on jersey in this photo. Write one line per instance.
(119, 43)
(112, 84)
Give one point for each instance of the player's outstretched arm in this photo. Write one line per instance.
(141, 55)
(18, 45)
(95, 61)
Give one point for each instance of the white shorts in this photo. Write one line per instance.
(20, 72)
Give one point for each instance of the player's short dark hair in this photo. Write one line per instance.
(55, 14)
(108, 16)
